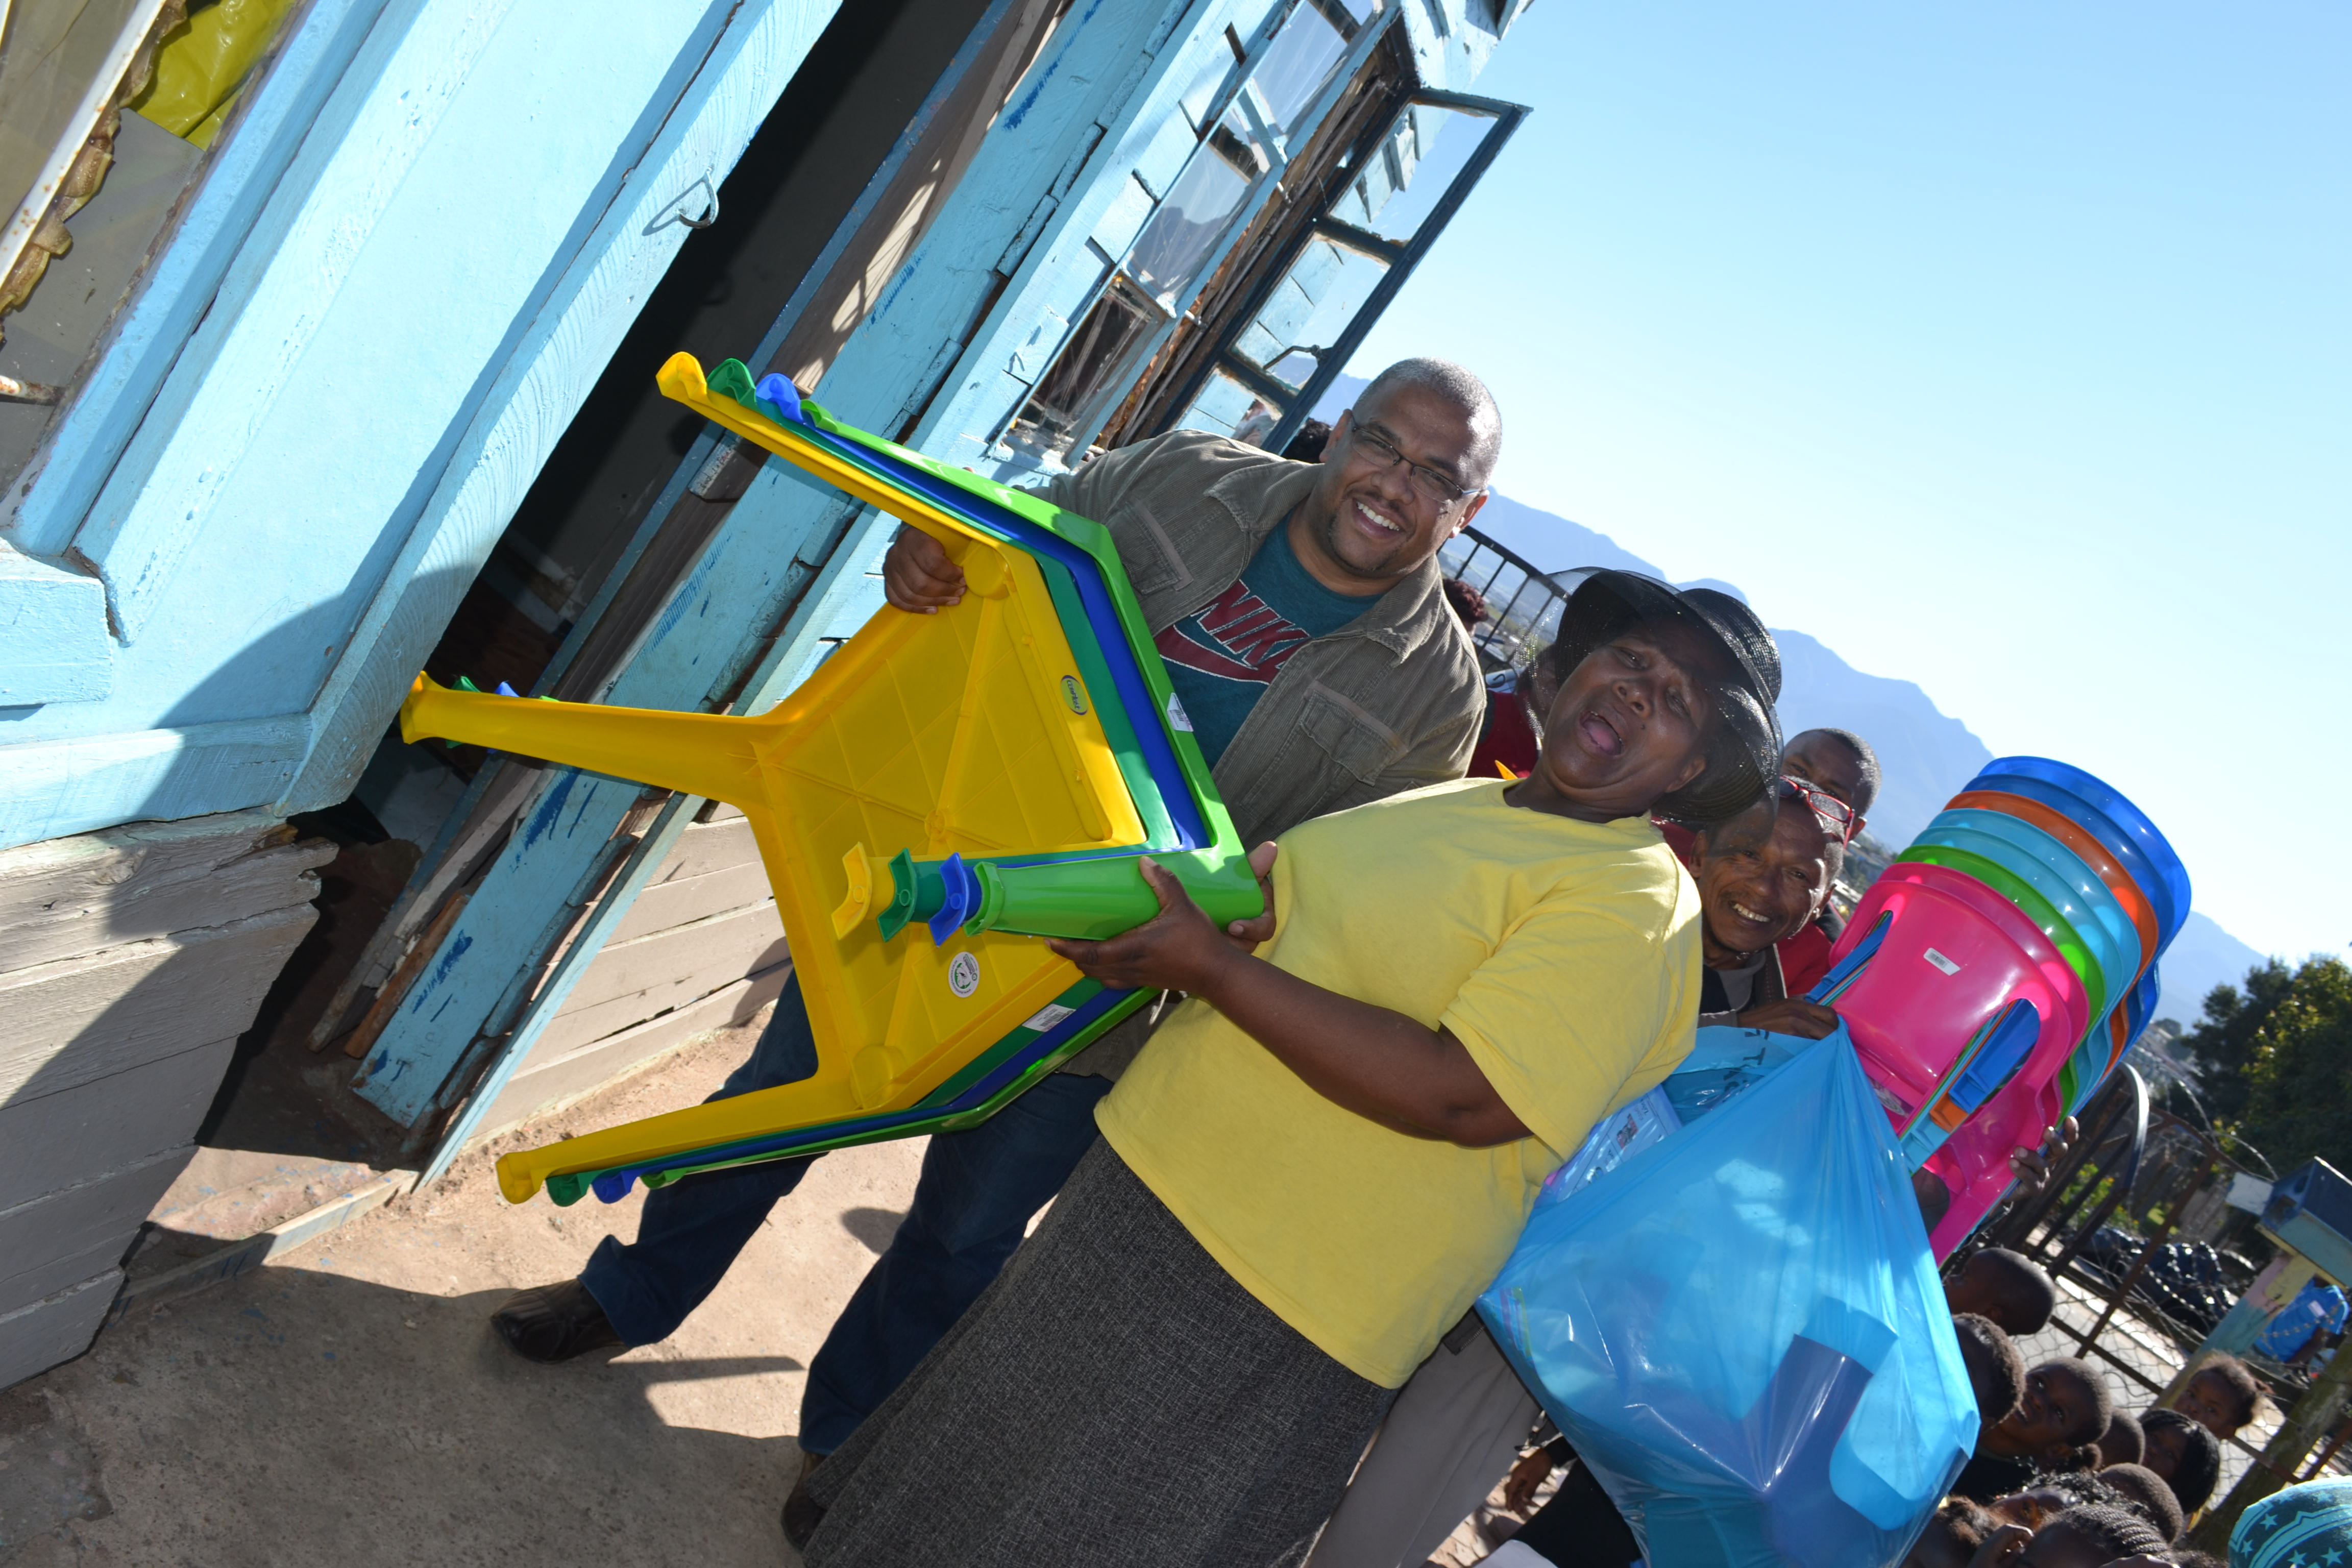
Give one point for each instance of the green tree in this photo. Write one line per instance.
(2302, 1102)
(2278, 1061)
(2225, 1040)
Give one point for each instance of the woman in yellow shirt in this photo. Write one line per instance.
(1328, 1150)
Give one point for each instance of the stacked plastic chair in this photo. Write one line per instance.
(1995, 975)
(942, 792)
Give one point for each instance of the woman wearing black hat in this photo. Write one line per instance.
(1328, 1150)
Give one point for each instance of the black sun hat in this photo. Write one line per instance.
(1744, 751)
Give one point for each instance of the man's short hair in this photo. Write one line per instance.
(2024, 1285)
(1996, 1371)
(1458, 387)
(1865, 761)
(2145, 1490)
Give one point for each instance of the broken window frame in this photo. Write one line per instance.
(1073, 399)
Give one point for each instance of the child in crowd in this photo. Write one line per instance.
(2088, 1537)
(2007, 1286)
(2124, 1443)
(2222, 1397)
(1952, 1537)
(2065, 1408)
(1328, 1150)
(2147, 1491)
(2185, 1454)
(1996, 1370)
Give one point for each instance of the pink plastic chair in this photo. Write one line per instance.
(1943, 970)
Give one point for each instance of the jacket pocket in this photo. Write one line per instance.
(1348, 733)
(1149, 555)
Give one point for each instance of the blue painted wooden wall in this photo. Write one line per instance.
(404, 270)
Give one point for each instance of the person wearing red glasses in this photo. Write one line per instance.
(1842, 771)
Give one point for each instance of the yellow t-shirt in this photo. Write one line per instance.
(1564, 956)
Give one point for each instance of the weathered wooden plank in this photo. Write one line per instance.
(667, 904)
(35, 1338)
(47, 1243)
(63, 1138)
(93, 890)
(80, 1019)
(705, 848)
(540, 1088)
(679, 964)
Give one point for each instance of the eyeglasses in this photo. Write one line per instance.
(1839, 820)
(1384, 453)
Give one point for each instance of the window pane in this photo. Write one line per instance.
(1227, 406)
(1401, 182)
(1185, 227)
(1295, 68)
(1309, 310)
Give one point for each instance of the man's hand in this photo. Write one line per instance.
(918, 576)
(1247, 934)
(1520, 1486)
(2031, 1166)
(1177, 950)
(1791, 1015)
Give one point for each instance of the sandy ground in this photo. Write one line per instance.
(351, 1406)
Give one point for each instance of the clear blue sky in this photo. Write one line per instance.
(2006, 348)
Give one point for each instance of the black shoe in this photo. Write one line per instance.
(552, 1323)
(802, 1513)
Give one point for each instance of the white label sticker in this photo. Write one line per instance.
(963, 975)
(1045, 1017)
(1940, 961)
(1177, 718)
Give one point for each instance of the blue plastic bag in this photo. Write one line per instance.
(1742, 1332)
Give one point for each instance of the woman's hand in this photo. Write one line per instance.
(1529, 1474)
(1179, 948)
(1249, 934)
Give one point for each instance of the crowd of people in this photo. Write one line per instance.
(1243, 1333)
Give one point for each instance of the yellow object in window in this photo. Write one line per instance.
(203, 62)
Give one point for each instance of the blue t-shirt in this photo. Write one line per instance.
(2318, 1305)
(1222, 659)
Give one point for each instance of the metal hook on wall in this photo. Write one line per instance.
(676, 211)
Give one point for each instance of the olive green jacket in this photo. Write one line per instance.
(1391, 701)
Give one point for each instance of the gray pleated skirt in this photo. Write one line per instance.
(1115, 1398)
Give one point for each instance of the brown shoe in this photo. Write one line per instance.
(552, 1323)
(803, 1514)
